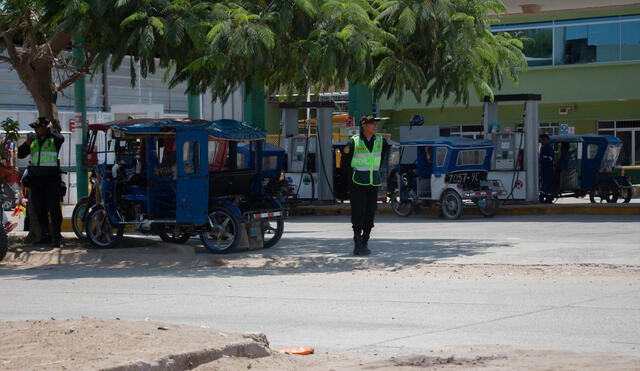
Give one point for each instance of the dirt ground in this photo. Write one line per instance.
(93, 344)
(90, 344)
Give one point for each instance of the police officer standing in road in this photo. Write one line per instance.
(44, 177)
(363, 155)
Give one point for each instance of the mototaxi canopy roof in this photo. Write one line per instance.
(452, 142)
(219, 129)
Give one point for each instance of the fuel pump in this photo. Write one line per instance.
(515, 160)
(302, 166)
(507, 163)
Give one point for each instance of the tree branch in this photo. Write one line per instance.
(75, 76)
(59, 42)
(11, 48)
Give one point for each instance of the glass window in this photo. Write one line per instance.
(592, 40)
(630, 42)
(538, 46)
(240, 161)
(592, 151)
(474, 157)
(190, 156)
(269, 163)
(624, 158)
(636, 156)
(212, 150)
(610, 156)
(605, 124)
(441, 156)
(628, 124)
(589, 43)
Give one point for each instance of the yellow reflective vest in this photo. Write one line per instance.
(44, 157)
(366, 164)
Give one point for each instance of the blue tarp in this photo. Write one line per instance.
(454, 142)
(220, 129)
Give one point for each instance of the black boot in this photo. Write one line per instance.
(357, 241)
(365, 241)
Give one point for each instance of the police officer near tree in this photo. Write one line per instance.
(363, 155)
(44, 177)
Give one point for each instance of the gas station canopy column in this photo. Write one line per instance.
(531, 128)
(324, 111)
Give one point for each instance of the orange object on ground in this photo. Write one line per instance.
(303, 351)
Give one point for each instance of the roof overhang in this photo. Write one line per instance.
(520, 7)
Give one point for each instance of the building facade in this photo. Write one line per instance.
(584, 62)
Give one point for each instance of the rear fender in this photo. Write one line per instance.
(227, 205)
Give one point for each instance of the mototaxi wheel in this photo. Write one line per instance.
(222, 231)
(626, 194)
(272, 231)
(401, 208)
(100, 231)
(451, 204)
(173, 234)
(603, 192)
(4, 242)
(488, 206)
(79, 218)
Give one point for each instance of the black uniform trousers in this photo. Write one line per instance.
(364, 202)
(45, 199)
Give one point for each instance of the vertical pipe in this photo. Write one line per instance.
(80, 106)
(254, 98)
(193, 105)
(360, 101)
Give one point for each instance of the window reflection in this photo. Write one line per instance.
(538, 46)
(592, 43)
(630, 43)
(594, 40)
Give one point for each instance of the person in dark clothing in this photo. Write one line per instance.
(44, 177)
(547, 171)
(362, 157)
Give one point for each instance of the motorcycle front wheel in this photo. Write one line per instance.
(100, 231)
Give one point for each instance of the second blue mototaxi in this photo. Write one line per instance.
(448, 172)
(584, 166)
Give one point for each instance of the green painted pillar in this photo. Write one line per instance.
(254, 101)
(193, 106)
(80, 104)
(360, 101)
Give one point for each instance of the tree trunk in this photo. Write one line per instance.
(36, 75)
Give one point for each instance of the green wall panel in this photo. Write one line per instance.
(561, 84)
(584, 116)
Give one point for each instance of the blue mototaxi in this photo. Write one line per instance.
(273, 164)
(584, 165)
(449, 173)
(181, 178)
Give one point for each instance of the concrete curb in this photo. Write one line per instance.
(385, 209)
(257, 348)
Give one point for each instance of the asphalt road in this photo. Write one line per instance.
(547, 282)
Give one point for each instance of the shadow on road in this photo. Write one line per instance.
(292, 256)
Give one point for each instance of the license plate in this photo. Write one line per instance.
(482, 203)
